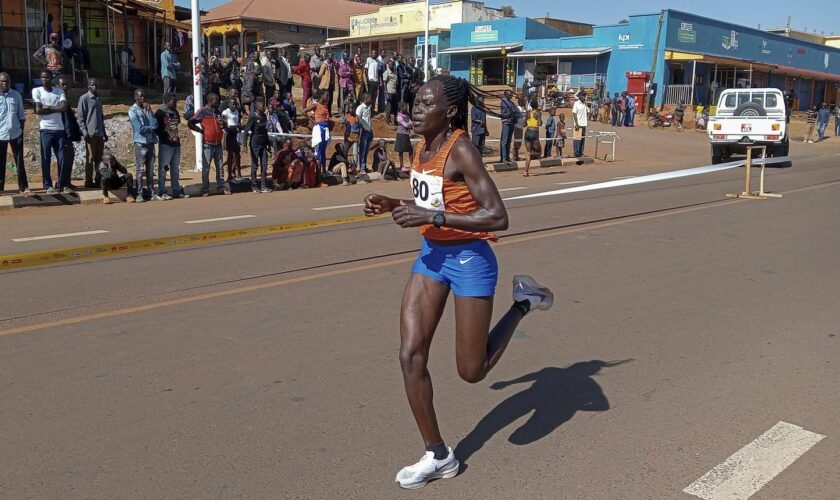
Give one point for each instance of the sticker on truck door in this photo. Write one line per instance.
(746, 127)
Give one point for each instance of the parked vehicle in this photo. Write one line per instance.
(749, 117)
(655, 119)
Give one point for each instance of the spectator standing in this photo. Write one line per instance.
(560, 135)
(810, 120)
(257, 128)
(283, 76)
(208, 122)
(169, 152)
(302, 70)
(580, 115)
(169, 66)
(631, 111)
(215, 70)
(359, 73)
(622, 110)
(550, 131)
(233, 70)
(321, 127)
(614, 110)
(92, 124)
(518, 128)
(50, 103)
(291, 108)
(326, 79)
(114, 176)
(363, 111)
(405, 73)
(403, 143)
(679, 116)
(508, 115)
(478, 127)
(823, 115)
(233, 122)
(50, 57)
(12, 121)
(144, 128)
(837, 119)
(352, 132)
(315, 63)
(345, 82)
(372, 71)
(389, 80)
(268, 71)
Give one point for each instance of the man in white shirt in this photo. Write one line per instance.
(50, 103)
(363, 111)
(580, 115)
(372, 70)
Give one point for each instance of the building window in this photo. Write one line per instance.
(294, 27)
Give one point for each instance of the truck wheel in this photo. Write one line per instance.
(749, 109)
(716, 155)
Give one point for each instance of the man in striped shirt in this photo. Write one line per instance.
(811, 119)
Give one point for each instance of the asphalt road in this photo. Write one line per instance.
(686, 325)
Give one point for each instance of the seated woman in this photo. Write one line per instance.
(281, 164)
(383, 164)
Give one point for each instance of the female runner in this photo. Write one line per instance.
(456, 206)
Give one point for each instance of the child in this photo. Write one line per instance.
(233, 120)
(289, 105)
(403, 144)
(352, 133)
(381, 162)
(114, 176)
(560, 135)
(550, 130)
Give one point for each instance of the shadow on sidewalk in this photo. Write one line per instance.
(555, 395)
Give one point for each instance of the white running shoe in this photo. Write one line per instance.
(527, 288)
(418, 475)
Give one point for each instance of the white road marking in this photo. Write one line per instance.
(63, 235)
(674, 174)
(750, 468)
(219, 219)
(625, 177)
(512, 189)
(568, 183)
(340, 206)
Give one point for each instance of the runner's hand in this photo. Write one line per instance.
(412, 215)
(376, 204)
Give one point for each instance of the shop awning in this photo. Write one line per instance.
(672, 55)
(482, 49)
(593, 52)
(806, 72)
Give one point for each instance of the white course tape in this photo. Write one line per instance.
(675, 174)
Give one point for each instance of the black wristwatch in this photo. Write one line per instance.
(439, 220)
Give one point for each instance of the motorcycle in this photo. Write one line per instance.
(659, 120)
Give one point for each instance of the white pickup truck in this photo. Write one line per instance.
(749, 117)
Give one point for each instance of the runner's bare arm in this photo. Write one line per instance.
(464, 164)
(376, 204)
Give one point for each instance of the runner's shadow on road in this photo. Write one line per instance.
(554, 397)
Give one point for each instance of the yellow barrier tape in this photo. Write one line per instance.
(8, 262)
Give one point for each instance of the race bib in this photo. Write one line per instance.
(427, 190)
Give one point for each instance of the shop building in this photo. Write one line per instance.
(483, 52)
(686, 57)
(242, 24)
(401, 28)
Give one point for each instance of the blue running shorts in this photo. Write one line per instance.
(470, 270)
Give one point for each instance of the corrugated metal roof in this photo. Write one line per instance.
(323, 13)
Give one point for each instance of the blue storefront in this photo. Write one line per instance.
(696, 57)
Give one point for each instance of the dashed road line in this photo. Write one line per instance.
(512, 189)
(63, 235)
(569, 183)
(335, 207)
(745, 472)
(624, 177)
(219, 219)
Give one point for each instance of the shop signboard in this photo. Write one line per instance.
(483, 34)
(686, 33)
(405, 18)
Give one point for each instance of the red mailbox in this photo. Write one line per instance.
(637, 83)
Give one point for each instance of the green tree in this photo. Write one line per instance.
(623, 21)
(507, 11)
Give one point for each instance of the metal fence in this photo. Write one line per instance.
(674, 94)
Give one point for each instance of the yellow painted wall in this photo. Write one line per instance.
(406, 18)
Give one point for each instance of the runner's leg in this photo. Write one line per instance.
(476, 350)
(422, 306)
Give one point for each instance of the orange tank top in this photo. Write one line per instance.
(431, 189)
(322, 113)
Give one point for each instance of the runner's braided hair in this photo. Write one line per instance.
(461, 93)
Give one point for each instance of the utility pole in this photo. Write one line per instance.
(426, 46)
(653, 64)
(196, 78)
